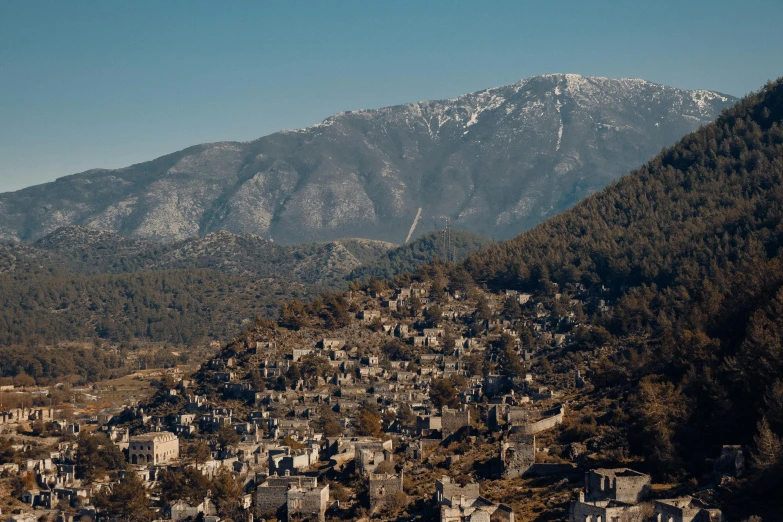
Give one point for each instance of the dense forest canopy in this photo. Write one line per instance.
(455, 246)
(690, 246)
(78, 284)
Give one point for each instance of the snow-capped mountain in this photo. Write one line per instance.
(496, 162)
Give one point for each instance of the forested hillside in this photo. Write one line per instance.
(178, 306)
(80, 284)
(690, 245)
(85, 251)
(407, 258)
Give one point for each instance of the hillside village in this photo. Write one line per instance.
(557, 299)
(428, 398)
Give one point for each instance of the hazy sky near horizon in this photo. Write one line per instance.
(108, 84)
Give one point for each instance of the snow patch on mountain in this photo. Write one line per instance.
(495, 161)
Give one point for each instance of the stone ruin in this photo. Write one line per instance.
(383, 487)
(453, 420)
(518, 455)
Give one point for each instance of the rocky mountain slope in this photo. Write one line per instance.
(496, 162)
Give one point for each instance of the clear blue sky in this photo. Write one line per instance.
(108, 84)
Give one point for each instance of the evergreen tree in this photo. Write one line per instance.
(126, 501)
(368, 421)
(227, 436)
(227, 492)
(509, 362)
(768, 448)
(442, 393)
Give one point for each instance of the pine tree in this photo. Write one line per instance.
(127, 500)
(768, 447)
(368, 422)
(227, 436)
(509, 362)
(227, 492)
(443, 393)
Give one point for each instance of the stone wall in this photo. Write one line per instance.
(546, 423)
(496, 385)
(684, 510)
(428, 446)
(493, 417)
(600, 511)
(306, 502)
(453, 420)
(623, 484)
(271, 495)
(731, 462)
(503, 513)
(368, 460)
(446, 489)
(270, 498)
(517, 456)
(428, 423)
(384, 486)
(16, 415)
(545, 469)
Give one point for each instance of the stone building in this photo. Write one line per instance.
(332, 344)
(730, 463)
(518, 455)
(181, 510)
(445, 489)
(685, 509)
(610, 495)
(153, 448)
(603, 511)
(401, 330)
(496, 385)
(384, 486)
(426, 424)
(453, 420)
(622, 484)
(523, 419)
(266, 346)
(298, 353)
(461, 509)
(464, 504)
(369, 315)
(367, 460)
(271, 494)
(16, 415)
(299, 495)
(307, 502)
(286, 460)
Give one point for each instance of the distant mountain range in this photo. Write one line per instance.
(87, 252)
(496, 162)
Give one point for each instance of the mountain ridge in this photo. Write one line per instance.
(495, 161)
